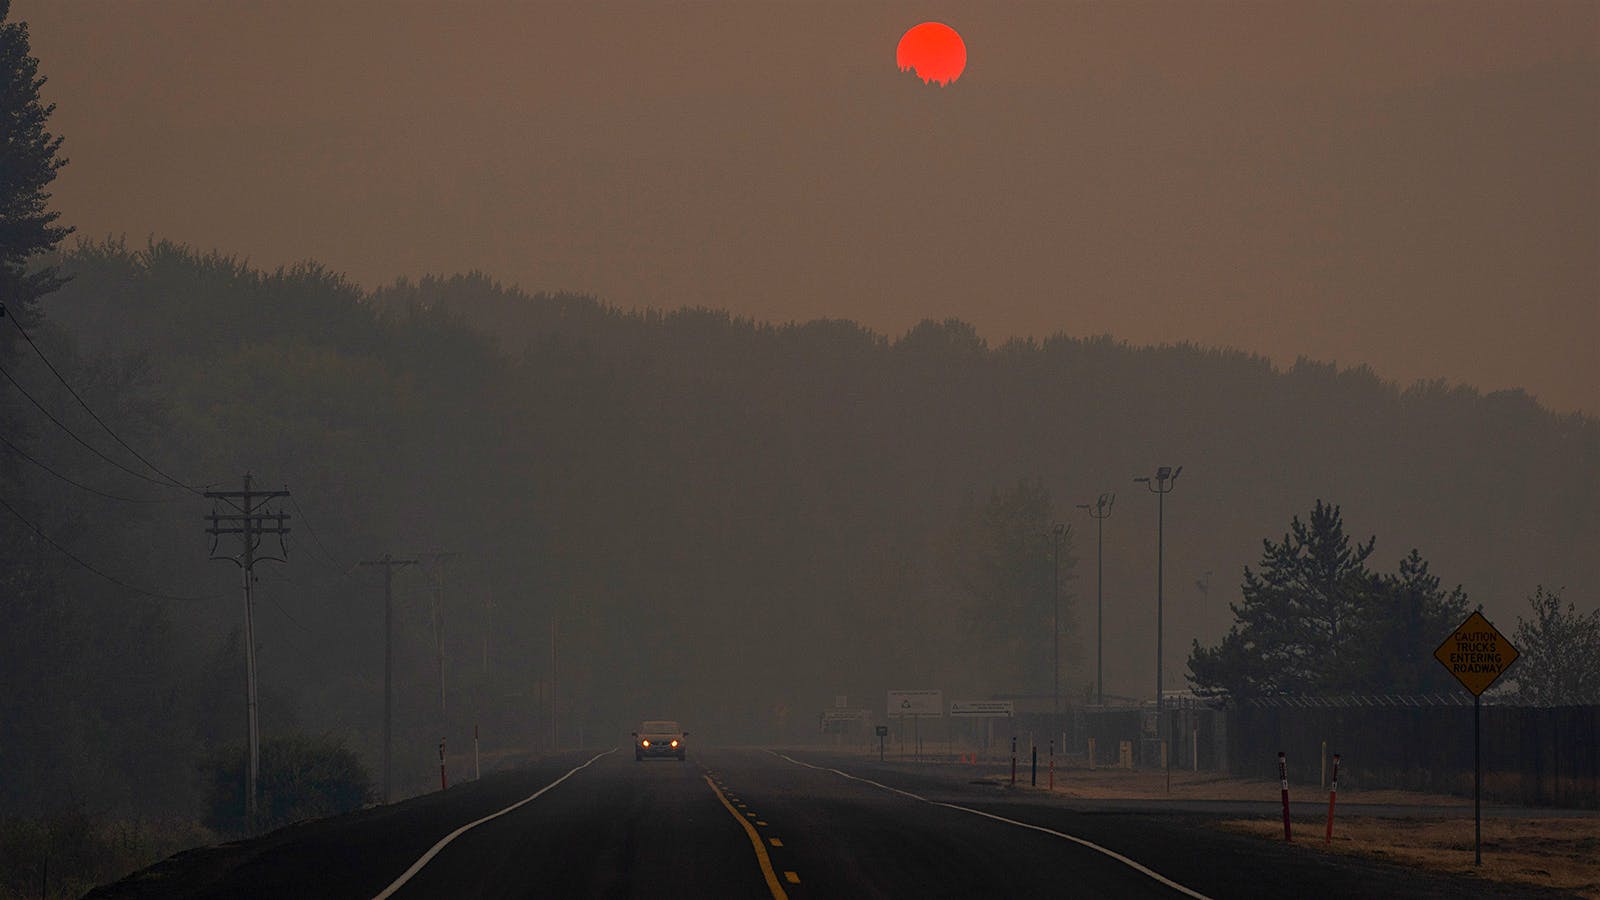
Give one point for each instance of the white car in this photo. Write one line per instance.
(659, 738)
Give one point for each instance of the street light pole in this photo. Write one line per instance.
(1161, 485)
(1100, 511)
(1060, 532)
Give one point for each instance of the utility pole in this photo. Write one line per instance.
(436, 562)
(250, 521)
(1100, 511)
(389, 564)
(554, 734)
(488, 624)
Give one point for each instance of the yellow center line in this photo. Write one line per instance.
(778, 893)
(775, 842)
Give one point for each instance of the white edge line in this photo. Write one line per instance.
(433, 851)
(1143, 870)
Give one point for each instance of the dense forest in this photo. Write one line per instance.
(674, 513)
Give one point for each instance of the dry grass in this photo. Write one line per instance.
(66, 856)
(1561, 853)
(1556, 853)
(1141, 784)
(1150, 784)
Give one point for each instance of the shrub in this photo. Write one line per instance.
(301, 777)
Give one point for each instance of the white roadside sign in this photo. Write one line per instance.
(915, 703)
(845, 715)
(982, 709)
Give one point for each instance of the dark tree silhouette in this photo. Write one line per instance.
(1411, 617)
(1299, 626)
(28, 163)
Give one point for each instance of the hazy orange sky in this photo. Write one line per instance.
(1414, 186)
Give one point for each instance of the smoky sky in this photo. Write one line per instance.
(1411, 186)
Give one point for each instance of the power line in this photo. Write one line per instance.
(111, 578)
(316, 541)
(72, 434)
(24, 454)
(114, 436)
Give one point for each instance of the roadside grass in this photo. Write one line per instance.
(1556, 853)
(1548, 852)
(68, 855)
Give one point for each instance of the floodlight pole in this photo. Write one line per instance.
(1161, 485)
(1100, 511)
(1059, 532)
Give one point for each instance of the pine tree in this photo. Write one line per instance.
(28, 163)
(1412, 615)
(1299, 624)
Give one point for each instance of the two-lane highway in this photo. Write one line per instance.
(759, 824)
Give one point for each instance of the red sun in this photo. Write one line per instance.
(934, 50)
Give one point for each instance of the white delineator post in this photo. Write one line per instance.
(1283, 780)
(1333, 792)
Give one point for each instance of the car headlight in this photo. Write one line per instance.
(674, 742)
(645, 743)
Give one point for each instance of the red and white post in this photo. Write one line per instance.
(1283, 781)
(443, 781)
(1333, 792)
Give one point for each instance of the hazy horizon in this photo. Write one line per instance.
(1403, 186)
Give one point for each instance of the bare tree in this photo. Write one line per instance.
(1560, 662)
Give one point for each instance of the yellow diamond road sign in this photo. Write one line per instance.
(1476, 654)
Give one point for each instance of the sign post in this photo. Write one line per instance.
(883, 731)
(914, 704)
(1477, 655)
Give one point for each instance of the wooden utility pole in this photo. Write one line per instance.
(250, 521)
(437, 560)
(389, 564)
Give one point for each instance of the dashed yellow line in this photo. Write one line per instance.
(778, 893)
(775, 842)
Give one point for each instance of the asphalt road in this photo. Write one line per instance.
(761, 824)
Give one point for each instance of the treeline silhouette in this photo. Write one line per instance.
(682, 514)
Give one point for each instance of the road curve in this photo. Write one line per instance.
(761, 824)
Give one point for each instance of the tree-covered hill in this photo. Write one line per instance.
(725, 521)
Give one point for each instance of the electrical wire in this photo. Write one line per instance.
(101, 422)
(74, 436)
(24, 454)
(316, 540)
(111, 578)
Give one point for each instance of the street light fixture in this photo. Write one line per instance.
(1161, 486)
(1100, 511)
